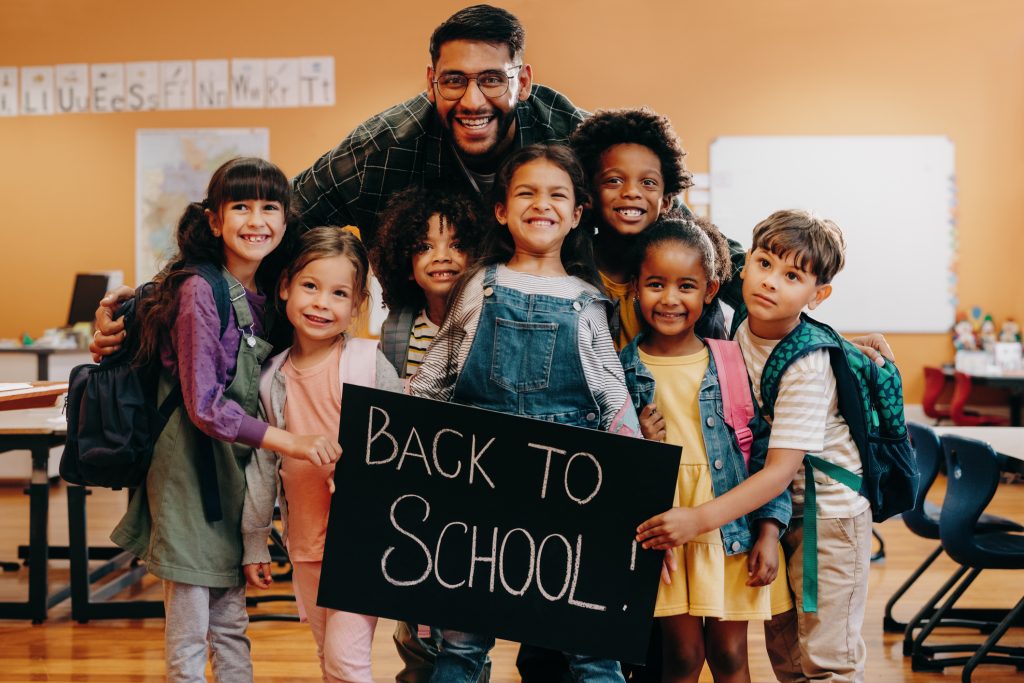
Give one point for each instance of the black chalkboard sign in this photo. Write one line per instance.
(478, 521)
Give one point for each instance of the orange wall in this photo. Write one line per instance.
(733, 67)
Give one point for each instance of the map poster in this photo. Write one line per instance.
(172, 168)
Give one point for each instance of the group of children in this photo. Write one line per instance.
(586, 300)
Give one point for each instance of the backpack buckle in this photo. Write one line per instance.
(239, 295)
(745, 439)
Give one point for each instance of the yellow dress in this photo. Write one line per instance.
(629, 323)
(707, 582)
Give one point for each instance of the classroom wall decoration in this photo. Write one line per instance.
(894, 197)
(166, 85)
(173, 168)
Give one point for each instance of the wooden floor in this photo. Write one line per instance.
(61, 650)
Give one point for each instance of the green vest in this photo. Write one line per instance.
(165, 524)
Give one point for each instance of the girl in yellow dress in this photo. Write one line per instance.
(713, 585)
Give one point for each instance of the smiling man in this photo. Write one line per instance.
(480, 104)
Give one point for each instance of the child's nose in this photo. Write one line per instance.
(630, 189)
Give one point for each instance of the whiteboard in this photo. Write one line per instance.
(893, 197)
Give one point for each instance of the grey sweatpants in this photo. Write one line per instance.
(198, 618)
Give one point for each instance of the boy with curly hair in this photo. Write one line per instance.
(427, 238)
(634, 162)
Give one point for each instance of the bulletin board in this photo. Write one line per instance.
(894, 198)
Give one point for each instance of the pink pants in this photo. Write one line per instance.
(343, 639)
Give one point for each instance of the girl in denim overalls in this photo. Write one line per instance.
(716, 583)
(527, 334)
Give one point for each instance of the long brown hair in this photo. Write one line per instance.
(239, 179)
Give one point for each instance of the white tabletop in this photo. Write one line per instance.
(1006, 440)
(33, 421)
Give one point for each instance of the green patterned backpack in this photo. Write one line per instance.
(871, 401)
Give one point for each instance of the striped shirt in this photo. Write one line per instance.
(807, 419)
(601, 366)
(420, 337)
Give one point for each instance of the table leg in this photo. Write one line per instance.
(39, 505)
(1015, 408)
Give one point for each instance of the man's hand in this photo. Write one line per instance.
(652, 423)
(670, 529)
(874, 347)
(109, 332)
(258, 575)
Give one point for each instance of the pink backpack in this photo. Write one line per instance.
(737, 403)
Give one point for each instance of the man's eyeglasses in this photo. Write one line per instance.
(491, 83)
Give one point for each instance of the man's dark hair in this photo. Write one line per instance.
(481, 23)
(609, 127)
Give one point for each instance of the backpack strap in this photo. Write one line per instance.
(358, 363)
(802, 340)
(228, 293)
(737, 404)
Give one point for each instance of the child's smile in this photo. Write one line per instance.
(540, 209)
(672, 289)
(631, 190)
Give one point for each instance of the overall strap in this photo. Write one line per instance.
(490, 275)
(737, 403)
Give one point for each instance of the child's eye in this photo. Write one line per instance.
(650, 182)
(764, 263)
(341, 292)
(421, 247)
(239, 206)
(457, 246)
(613, 181)
(272, 206)
(792, 277)
(308, 285)
(559, 195)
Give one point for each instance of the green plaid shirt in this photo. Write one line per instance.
(407, 145)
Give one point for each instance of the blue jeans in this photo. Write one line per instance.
(462, 657)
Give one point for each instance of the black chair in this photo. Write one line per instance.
(973, 478)
(923, 520)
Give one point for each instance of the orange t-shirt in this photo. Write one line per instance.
(313, 407)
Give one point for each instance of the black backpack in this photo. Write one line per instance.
(113, 417)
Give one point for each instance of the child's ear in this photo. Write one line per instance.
(214, 220)
(746, 260)
(576, 215)
(712, 291)
(501, 213)
(282, 289)
(821, 293)
(666, 204)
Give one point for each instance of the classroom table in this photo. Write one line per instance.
(1008, 441)
(38, 430)
(45, 358)
(36, 395)
(1011, 381)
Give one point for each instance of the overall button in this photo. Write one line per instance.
(710, 422)
(591, 416)
(488, 291)
(735, 546)
(718, 463)
(577, 305)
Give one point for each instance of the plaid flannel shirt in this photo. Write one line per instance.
(406, 145)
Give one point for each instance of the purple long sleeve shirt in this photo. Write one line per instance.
(205, 363)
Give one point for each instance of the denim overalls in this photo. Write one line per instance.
(524, 360)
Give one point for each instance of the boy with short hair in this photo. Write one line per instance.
(790, 266)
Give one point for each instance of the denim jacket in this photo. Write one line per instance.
(724, 456)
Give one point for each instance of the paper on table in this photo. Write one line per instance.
(13, 386)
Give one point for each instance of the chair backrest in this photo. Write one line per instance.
(973, 470)
(934, 384)
(928, 451)
(961, 392)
